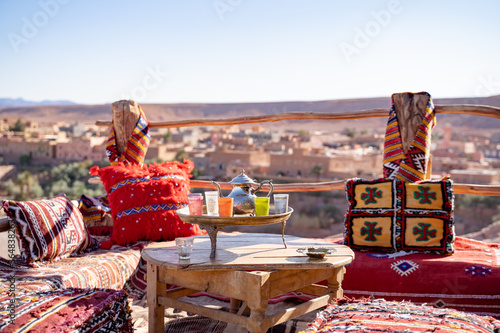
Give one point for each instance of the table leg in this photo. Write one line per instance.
(258, 284)
(156, 311)
(283, 225)
(335, 283)
(234, 305)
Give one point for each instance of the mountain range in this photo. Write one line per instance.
(17, 102)
(89, 114)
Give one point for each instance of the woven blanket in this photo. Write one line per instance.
(468, 280)
(99, 269)
(72, 310)
(137, 144)
(412, 165)
(379, 315)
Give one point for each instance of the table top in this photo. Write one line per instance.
(252, 251)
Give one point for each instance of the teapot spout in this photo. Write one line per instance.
(218, 188)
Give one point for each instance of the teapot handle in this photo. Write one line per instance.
(262, 183)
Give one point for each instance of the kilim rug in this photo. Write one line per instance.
(71, 310)
(346, 315)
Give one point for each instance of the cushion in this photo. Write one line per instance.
(389, 215)
(102, 268)
(71, 310)
(49, 230)
(144, 199)
(95, 212)
(378, 315)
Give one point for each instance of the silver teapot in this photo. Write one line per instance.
(243, 193)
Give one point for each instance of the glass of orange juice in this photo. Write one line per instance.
(225, 206)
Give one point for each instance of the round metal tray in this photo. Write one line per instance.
(234, 220)
(212, 224)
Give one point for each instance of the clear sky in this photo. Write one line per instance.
(165, 51)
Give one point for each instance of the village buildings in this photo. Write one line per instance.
(222, 152)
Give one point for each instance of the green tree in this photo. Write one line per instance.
(317, 170)
(350, 132)
(181, 155)
(19, 126)
(167, 137)
(25, 160)
(304, 135)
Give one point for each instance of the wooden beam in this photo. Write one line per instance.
(476, 110)
(492, 190)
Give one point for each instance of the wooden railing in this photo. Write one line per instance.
(477, 110)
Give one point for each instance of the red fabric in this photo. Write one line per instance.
(143, 200)
(468, 280)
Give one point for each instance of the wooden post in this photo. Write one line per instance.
(410, 110)
(126, 113)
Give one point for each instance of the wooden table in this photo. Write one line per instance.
(250, 267)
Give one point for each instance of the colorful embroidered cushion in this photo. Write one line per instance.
(143, 200)
(49, 230)
(96, 214)
(389, 215)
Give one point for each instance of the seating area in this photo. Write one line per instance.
(409, 264)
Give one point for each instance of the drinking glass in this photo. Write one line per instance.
(225, 206)
(261, 206)
(281, 203)
(211, 199)
(195, 203)
(184, 247)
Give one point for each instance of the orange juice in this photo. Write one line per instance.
(226, 206)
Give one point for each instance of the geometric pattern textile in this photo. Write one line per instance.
(144, 199)
(108, 269)
(93, 210)
(64, 311)
(379, 315)
(435, 280)
(137, 144)
(412, 166)
(48, 230)
(389, 215)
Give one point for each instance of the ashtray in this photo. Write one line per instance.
(316, 252)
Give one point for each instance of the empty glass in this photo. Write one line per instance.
(184, 247)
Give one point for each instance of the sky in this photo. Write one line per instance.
(227, 51)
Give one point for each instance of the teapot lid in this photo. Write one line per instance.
(242, 179)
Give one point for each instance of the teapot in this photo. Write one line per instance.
(243, 193)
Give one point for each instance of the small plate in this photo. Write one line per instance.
(316, 252)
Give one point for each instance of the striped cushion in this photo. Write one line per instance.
(49, 230)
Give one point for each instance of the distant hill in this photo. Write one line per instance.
(18, 102)
(89, 114)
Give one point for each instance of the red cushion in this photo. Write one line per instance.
(49, 230)
(143, 200)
